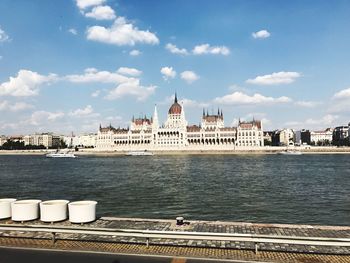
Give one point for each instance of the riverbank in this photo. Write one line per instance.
(203, 239)
(241, 151)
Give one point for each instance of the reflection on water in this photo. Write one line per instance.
(261, 188)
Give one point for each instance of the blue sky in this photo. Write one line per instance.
(70, 65)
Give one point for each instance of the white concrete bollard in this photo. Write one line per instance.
(5, 207)
(25, 210)
(53, 210)
(82, 211)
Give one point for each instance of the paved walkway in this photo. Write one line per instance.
(201, 226)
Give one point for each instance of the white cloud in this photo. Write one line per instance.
(19, 106)
(275, 78)
(207, 49)
(261, 34)
(3, 36)
(307, 104)
(188, 103)
(340, 102)
(93, 75)
(129, 71)
(168, 73)
(175, 50)
(83, 4)
(240, 98)
(135, 52)
(121, 33)
(131, 88)
(319, 123)
(95, 94)
(343, 94)
(102, 13)
(73, 31)
(26, 83)
(189, 76)
(41, 117)
(88, 110)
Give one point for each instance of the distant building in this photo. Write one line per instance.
(3, 139)
(84, 140)
(268, 137)
(317, 137)
(146, 133)
(341, 135)
(284, 137)
(48, 140)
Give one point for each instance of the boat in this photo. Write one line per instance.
(139, 153)
(59, 154)
(291, 152)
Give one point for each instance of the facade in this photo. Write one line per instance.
(175, 134)
(3, 139)
(317, 137)
(48, 140)
(341, 135)
(83, 140)
(284, 137)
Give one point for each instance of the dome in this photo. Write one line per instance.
(175, 108)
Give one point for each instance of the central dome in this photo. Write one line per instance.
(175, 108)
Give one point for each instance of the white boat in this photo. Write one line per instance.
(139, 153)
(290, 152)
(59, 154)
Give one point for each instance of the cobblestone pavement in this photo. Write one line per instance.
(172, 251)
(201, 226)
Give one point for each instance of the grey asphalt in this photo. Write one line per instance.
(14, 255)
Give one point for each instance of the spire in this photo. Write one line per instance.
(221, 114)
(218, 112)
(207, 113)
(175, 97)
(203, 112)
(100, 128)
(155, 118)
(133, 118)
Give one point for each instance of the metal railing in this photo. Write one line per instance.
(256, 239)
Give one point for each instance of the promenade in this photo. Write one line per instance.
(199, 239)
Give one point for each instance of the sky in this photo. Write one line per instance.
(71, 65)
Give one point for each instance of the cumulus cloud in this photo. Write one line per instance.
(40, 117)
(207, 49)
(18, 106)
(73, 31)
(26, 83)
(343, 94)
(121, 33)
(189, 76)
(87, 111)
(168, 73)
(327, 120)
(175, 50)
(3, 36)
(307, 104)
(135, 52)
(188, 103)
(95, 94)
(261, 34)
(275, 78)
(131, 88)
(240, 98)
(341, 102)
(102, 13)
(83, 4)
(129, 71)
(93, 75)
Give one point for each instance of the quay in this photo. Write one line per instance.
(193, 239)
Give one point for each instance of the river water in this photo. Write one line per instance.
(307, 189)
